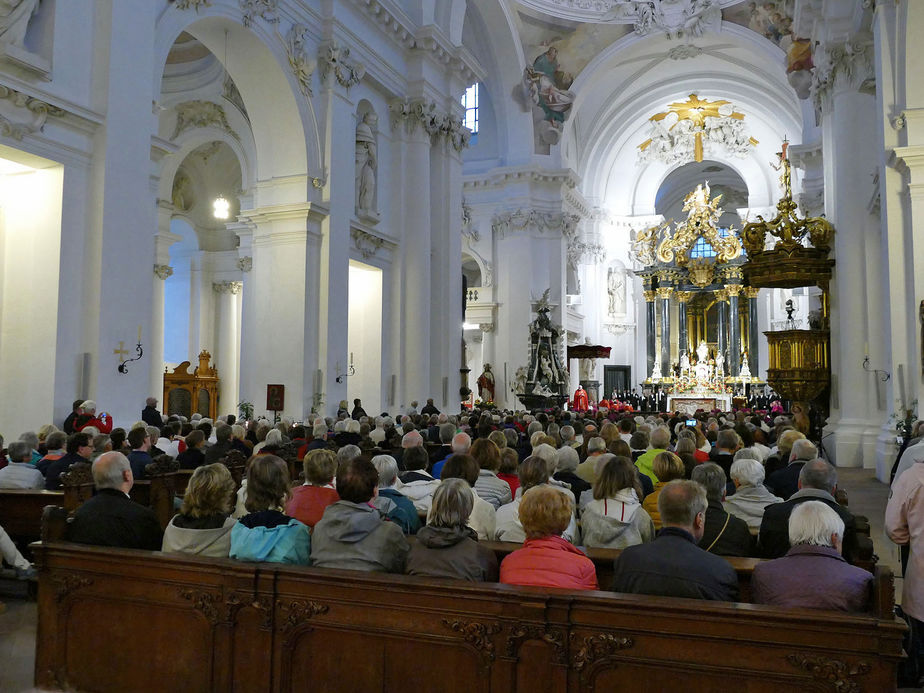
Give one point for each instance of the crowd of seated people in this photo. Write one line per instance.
(417, 492)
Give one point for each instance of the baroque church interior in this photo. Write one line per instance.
(379, 199)
(366, 156)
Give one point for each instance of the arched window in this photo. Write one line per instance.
(470, 104)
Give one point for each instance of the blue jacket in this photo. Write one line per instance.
(269, 536)
(405, 515)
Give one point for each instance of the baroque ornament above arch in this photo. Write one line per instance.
(674, 18)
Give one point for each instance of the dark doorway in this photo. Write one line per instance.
(618, 378)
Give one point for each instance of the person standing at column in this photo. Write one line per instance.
(904, 523)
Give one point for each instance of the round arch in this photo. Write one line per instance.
(285, 131)
(626, 84)
(190, 140)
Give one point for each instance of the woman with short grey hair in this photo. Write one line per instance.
(447, 547)
(751, 496)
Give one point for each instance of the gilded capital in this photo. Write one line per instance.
(664, 292)
(684, 296)
(721, 294)
(733, 272)
(734, 289)
(751, 291)
(649, 295)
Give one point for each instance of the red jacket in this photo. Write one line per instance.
(549, 562)
(102, 422)
(308, 503)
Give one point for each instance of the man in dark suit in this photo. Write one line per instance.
(673, 565)
(111, 518)
(150, 415)
(817, 481)
(785, 482)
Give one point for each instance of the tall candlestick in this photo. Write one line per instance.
(139, 334)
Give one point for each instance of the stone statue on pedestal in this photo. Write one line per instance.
(366, 162)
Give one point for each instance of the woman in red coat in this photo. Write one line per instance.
(547, 560)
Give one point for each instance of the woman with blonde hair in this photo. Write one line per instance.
(308, 501)
(203, 525)
(547, 559)
(667, 467)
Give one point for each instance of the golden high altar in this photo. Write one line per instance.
(699, 266)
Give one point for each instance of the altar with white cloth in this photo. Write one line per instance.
(689, 403)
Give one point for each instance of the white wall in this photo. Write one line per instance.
(30, 240)
(365, 337)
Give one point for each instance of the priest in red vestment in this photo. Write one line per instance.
(580, 400)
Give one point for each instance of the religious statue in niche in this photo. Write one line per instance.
(486, 384)
(616, 289)
(366, 164)
(14, 20)
(547, 85)
(183, 195)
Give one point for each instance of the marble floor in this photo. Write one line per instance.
(867, 496)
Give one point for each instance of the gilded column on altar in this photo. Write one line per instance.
(683, 339)
(651, 327)
(664, 295)
(753, 332)
(734, 329)
(721, 296)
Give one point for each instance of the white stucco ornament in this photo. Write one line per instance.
(674, 18)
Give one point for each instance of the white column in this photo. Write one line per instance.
(850, 158)
(125, 204)
(333, 253)
(901, 197)
(226, 360)
(162, 270)
(446, 315)
(273, 334)
(415, 248)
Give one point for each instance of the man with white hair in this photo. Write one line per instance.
(660, 439)
(817, 481)
(812, 574)
(785, 482)
(587, 469)
(111, 517)
(103, 422)
(377, 434)
(751, 496)
(150, 415)
(461, 443)
(20, 472)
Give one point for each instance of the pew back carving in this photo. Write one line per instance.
(267, 627)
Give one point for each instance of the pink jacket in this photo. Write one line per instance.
(549, 562)
(904, 523)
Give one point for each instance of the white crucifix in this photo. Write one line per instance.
(121, 352)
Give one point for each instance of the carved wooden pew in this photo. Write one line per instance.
(21, 511)
(267, 627)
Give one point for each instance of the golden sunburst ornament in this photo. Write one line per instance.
(693, 112)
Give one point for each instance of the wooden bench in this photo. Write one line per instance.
(21, 511)
(268, 627)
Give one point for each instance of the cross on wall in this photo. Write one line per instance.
(121, 352)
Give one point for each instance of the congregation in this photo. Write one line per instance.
(417, 494)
